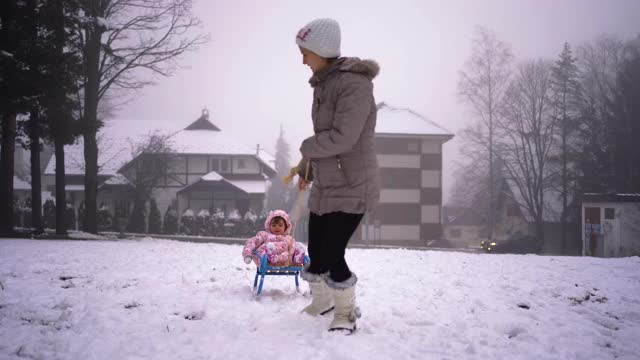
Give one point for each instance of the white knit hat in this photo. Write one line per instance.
(322, 36)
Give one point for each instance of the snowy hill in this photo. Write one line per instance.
(157, 299)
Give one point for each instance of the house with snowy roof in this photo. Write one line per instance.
(206, 169)
(409, 150)
(468, 226)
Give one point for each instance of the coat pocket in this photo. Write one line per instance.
(328, 173)
(354, 170)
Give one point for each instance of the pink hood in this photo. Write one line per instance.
(282, 214)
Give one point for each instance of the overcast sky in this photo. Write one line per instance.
(251, 77)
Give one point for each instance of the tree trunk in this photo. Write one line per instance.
(61, 201)
(540, 235)
(36, 186)
(6, 173)
(90, 128)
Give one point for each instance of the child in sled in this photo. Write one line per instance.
(275, 242)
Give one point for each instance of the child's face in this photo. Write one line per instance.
(277, 227)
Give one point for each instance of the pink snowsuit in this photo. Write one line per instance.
(275, 246)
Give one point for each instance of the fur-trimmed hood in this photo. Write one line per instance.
(366, 67)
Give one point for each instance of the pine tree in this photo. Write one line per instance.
(170, 223)
(566, 95)
(279, 195)
(155, 224)
(105, 221)
(623, 130)
(136, 222)
(49, 214)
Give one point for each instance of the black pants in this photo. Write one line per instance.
(329, 235)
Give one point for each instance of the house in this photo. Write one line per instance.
(512, 221)
(205, 169)
(409, 150)
(610, 225)
(468, 226)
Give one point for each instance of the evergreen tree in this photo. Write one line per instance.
(136, 222)
(280, 195)
(170, 223)
(624, 123)
(105, 221)
(566, 97)
(49, 214)
(155, 224)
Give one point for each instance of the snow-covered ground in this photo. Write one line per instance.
(159, 299)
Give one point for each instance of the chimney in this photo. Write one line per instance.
(258, 150)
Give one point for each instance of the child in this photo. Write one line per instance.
(275, 242)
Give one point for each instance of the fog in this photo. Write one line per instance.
(251, 78)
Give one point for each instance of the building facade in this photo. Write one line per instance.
(409, 149)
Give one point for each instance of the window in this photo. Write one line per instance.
(413, 147)
(609, 213)
(241, 164)
(220, 165)
(454, 233)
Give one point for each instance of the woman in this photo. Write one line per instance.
(344, 167)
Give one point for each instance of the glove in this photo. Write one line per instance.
(248, 260)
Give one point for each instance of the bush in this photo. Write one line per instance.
(188, 223)
(81, 212)
(202, 223)
(49, 214)
(136, 222)
(155, 224)
(170, 221)
(70, 217)
(105, 221)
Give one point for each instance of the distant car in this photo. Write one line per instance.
(519, 244)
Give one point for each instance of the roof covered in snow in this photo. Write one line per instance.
(399, 121)
(114, 150)
(199, 137)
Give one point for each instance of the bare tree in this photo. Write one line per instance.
(125, 43)
(525, 134)
(482, 85)
(151, 158)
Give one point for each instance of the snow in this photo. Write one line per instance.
(117, 179)
(19, 184)
(399, 121)
(249, 186)
(162, 299)
(207, 142)
(212, 176)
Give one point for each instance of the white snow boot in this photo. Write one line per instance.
(346, 312)
(321, 298)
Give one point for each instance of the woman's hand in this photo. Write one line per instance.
(302, 184)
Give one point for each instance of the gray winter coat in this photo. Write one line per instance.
(344, 165)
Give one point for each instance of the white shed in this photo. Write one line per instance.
(611, 225)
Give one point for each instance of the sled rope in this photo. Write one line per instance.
(296, 212)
